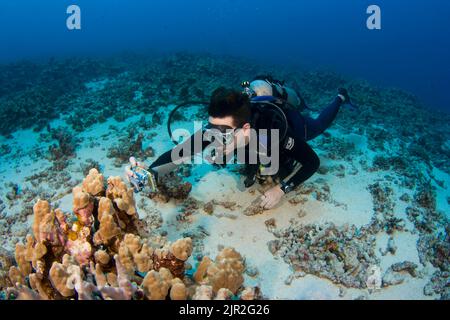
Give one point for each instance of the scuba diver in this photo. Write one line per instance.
(264, 103)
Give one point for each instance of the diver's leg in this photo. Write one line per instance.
(297, 122)
(315, 127)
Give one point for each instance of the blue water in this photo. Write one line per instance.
(411, 51)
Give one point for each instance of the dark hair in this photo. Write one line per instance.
(228, 102)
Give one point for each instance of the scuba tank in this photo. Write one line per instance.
(266, 85)
(270, 101)
(266, 109)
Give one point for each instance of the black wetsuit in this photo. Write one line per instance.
(298, 161)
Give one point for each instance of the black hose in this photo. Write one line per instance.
(281, 115)
(169, 129)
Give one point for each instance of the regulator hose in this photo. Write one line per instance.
(169, 121)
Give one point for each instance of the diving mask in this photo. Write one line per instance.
(224, 133)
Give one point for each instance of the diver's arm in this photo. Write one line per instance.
(128, 173)
(141, 165)
(309, 161)
(165, 164)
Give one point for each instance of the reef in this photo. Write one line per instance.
(225, 272)
(396, 273)
(254, 208)
(99, 89)
(319, 190)
(131, 144)
(99, 251)
(32, 94)
(434, 240)
(343, 255)
(384, 218)
(172, 186)
(4, 149)
(88, 165)
(63, 151)
(6, 262)
(337, 148)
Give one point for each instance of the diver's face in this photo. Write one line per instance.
(240, 135)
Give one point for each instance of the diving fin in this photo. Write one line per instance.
(348, 101)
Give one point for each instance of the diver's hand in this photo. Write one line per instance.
(271, 197)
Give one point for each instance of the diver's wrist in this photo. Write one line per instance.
(285, 187)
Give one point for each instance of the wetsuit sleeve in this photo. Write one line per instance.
(194, 145)
(299, 150)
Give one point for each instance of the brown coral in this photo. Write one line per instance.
(200, 274)
(108, 228)
(23, 269)
(32, 252)
(102, 257)
(225, 272)
(48, 225)
(34, 256)
(178, 291)
(203, 292)
(155, 285)
(83, 206)
(40, 210)
(134, 254)
(182, 248)
(94, 183)
(52, 274)
(121, 195)
(59, 275)
(124, 288)
(6, 262)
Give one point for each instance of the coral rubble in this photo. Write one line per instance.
(340, 254)
(171, 186)
(131, 144)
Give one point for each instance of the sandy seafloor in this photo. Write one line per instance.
(247, 234)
